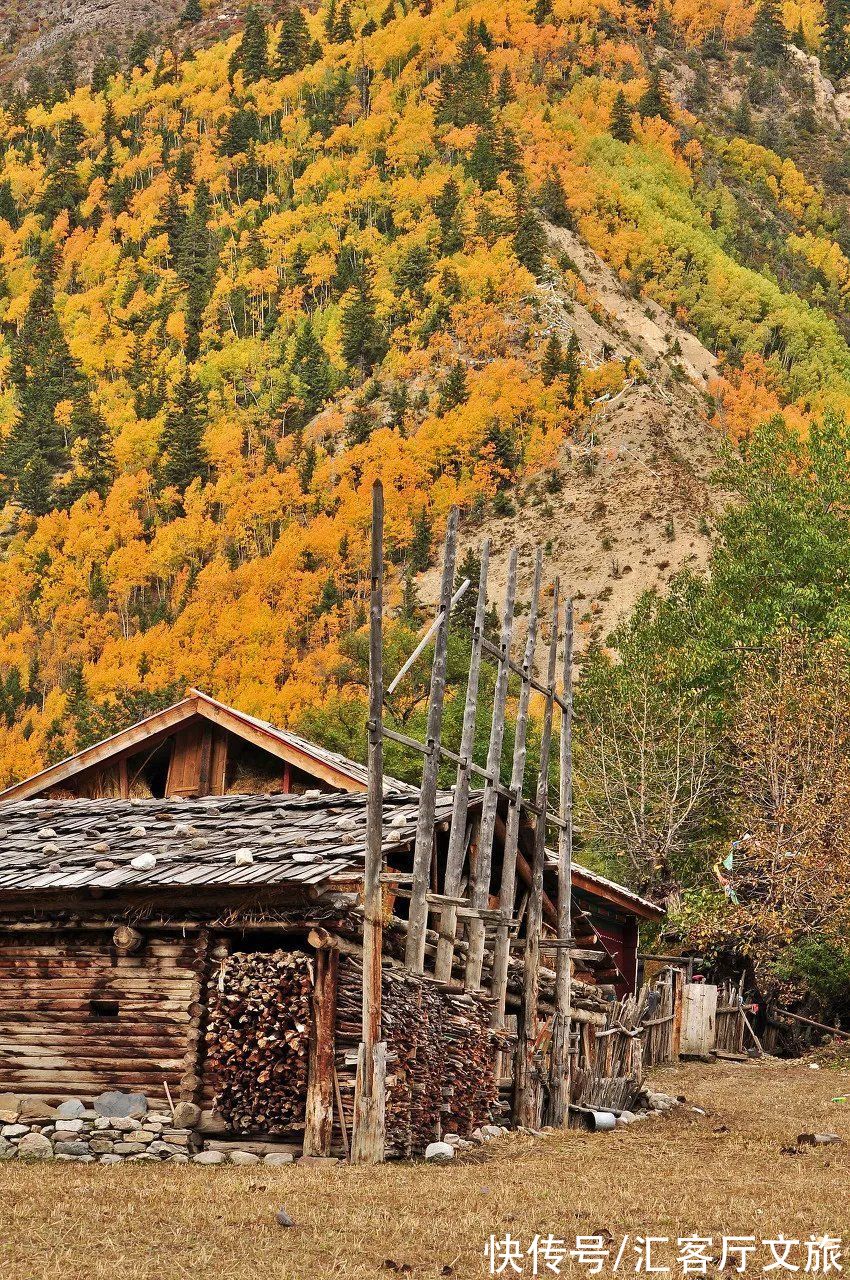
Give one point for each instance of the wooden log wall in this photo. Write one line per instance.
(77, 1017)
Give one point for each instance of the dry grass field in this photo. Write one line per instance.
(723, 1173)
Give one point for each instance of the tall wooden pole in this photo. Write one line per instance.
(423, 850)
(368, 1136)
(559, 1062)
(481, 882)
(527, 1091)
(507, 891)
(460, 808)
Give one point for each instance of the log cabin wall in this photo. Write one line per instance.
(78, 1018)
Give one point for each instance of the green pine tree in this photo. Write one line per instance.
(552, 364)
(529, 238)
(505, 92)
(330, 19)
(742, 117)
(312, 369)
(454, 390)
(196, 266)
(835, 54)
(183, 456)
(92, 450)
(251, 56)
(553, 200)
(655, 100)
(572, 369)
(63, 189)
(447, 209)
(769, 34)
(293, 46)
(621, 119)
(363, 339)
(343, 30)
(43, 373)
(192, 13)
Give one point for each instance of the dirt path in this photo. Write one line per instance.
(718, 1174)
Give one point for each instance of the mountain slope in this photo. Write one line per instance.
(238, 285)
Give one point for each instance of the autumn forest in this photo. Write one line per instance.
(243, 277)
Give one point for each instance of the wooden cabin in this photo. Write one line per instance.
(180, 906)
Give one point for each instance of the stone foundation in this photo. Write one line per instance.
(116, 1128)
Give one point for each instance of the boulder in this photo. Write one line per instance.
(14, 1130)
(278, 1157)
(186, 1116)
(129, 1148)
(210, 1157)
(34, 1146)
(180, 1158)
(9, 1117)
(439, 1151)
(73, 1109)
(10, 1102)
(110, 1159)
(121, 1105)
(244, 1157)
(626, 1117)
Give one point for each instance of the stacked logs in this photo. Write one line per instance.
(470, 1092)
(440, 1056)
(258, 1040)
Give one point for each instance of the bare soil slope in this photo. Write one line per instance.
(636, 493)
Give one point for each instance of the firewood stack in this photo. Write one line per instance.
(258, 1040)
(471, 1092)
(440, 1055)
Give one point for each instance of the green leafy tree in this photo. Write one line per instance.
(184, 457)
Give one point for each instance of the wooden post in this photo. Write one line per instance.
(460, 808)
(678, 978)
(527, 1095)
(507, 891)
(559, 1062)
(484, 862)
(424, 848)
(318, 1132)
(367, 1139)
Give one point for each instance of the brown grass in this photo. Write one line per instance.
(713, 1175)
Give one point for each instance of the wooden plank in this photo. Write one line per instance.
(699, 1009)
(423, 849)
(527, 1087)
(559, 1056)
(459, 830)
(369, 1128)
(318, 1131)
(510, 845)
(484, 861)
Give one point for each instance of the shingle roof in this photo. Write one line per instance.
(58, 844)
